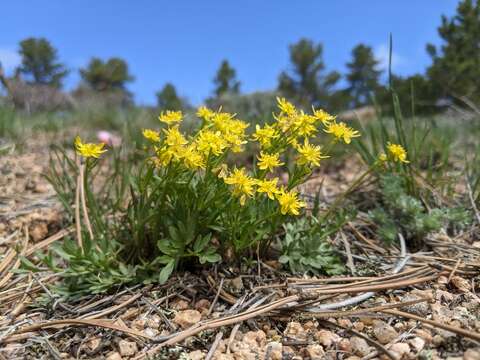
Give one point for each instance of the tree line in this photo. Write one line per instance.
(452, 76)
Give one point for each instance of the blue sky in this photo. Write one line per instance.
(184, 41)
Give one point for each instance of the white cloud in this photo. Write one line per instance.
(9, 59)
(382, 54)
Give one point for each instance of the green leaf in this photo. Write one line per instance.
(166, 272)
(201, 242)
(211, 258)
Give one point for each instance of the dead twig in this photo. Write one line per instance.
(456, 330)
(214, 346)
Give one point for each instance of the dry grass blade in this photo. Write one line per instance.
(105, 323)
(459, 331)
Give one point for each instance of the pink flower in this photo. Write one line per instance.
(108, 138)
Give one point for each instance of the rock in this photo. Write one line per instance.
(187, 318)
(224, 357)
(196, 355)
(180, 305)
(461, 284)
(359, 326)
(472, 354)
(367, 320)
(400, 349)
(359, 346)
(38, 231)
(417, 343)
(296, 331)
(40, 188)
(113, 356)
(443, 280)
(288, 352)
(444, 296)
(424, 334)
(326, 338)
(255, 339)
(93, 343)
(243, 350)
(237, 283)
(421, 309)
(275, 350)
(384, 332)
(438, 340)
(344, 345)
(345, 323)
(127, 348)
(150, 332)
(353, 358)
(315, 352)
(139, 324)
(202, 305)
(309, 325)
(153, 321)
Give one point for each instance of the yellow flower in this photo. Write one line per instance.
(289, 202)
(88, 149)
(304, 124)
(269, 187)
(205, 113)
(265, 135)
(322, 116)
(151, 135)
(341, 131)
(268, 161)
(309, 154)
(286, 107)
(211, 142)
(243, 185)
(192, 158)
(397, 152)
(174, 138)
(383, 157)
(170, 117)
(164, 155)
(232, 130)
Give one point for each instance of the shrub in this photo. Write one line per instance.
(181, 204)
(402, 213)
(305, 246)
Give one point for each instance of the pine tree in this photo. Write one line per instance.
(40, 63)
(168, 99)
(106, 75)
(226, 80)
(306, 84)
(363, 75)
(456, 64)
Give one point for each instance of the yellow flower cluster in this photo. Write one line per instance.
(341, 131)
(171, 117)
(294, 128)
(397, 152)
(221, 133)
(245, 186)
(88, 149)
(310, 154)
